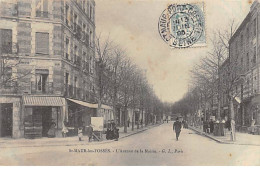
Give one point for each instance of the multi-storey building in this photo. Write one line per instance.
(223, 90)
(244, 53)
(47, 66)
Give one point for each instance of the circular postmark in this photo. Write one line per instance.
(181, 25)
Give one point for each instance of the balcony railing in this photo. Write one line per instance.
(42, 14)
(47, 88)
(79, 93)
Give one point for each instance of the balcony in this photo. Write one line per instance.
(79, 94)
(9, 89)
(46, 88)
(42, 14)
(77, 61)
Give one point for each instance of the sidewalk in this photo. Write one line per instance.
(241, 138)
(68, 141)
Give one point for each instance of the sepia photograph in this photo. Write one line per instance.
(129, 83)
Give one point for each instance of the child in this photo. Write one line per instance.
(80, 133)
(64, 130)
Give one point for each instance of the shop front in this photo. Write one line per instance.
(42, 114)
(10, 117)
(79, 115)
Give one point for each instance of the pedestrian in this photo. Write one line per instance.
(51, 132)
(128, 122)
(211, 126)
(64, 129)
(90, 133)
(116, 133)
(80, 133)
(177, 127)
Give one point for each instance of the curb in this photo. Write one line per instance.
(219, 141)
(83, 143)
(211, 137)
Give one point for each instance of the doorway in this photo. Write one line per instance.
(43, 116)
(6, 118)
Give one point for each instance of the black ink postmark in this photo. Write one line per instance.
(183, 25)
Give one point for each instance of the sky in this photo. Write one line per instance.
(133, 24)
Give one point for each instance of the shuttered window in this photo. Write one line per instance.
(42, 43)
(6, 41)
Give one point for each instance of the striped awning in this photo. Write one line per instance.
(42, 101)
(106, 107)
(90, 105)
(84, 103)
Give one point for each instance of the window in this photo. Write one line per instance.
(42, 43)
(90, 12)
(254, 57)
(90, 34)
(242, 42)
(6, 75)
(87, 40)
(247, 34)
(67, 14)
(67, 79)
(76, 82)
(83, 5)
(67, 48)
(6, 41)
(41, 82)
(247, 63)
(242, 63)
(76, 52)
(41, 8)
(254, 27)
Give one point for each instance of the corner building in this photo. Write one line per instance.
(47, 66)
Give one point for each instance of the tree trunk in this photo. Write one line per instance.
(125, 120)
(133, 121)
(99, 108)
(232, 120)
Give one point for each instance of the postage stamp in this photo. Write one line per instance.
(183, 25)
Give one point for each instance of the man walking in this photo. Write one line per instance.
(177, 128)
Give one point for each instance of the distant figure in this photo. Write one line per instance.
(51, 132)
(80, 133)
(90, 133)
(64, 129)
(128, 122)
(211, 126)
(205, 126)
(177, 128)
(116, 133)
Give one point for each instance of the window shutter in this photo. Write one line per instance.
(42, 43)
(6, 39)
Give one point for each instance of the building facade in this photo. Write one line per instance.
(47, 66)
(244, 53)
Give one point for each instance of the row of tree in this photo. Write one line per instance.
(208, 82)
(124, 84)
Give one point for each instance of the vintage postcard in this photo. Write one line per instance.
(129, 82)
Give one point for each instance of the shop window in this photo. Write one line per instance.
(42, 43)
